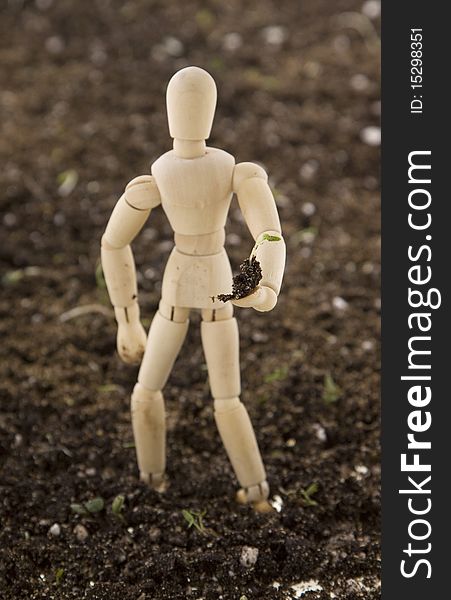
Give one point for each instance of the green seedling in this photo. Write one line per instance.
(331, 391)
(95, 505)
(205, 19)
(88, 508)
(307, 494)
(266, 238)
(271, 238)
(195, 519)
(67, 181)
(79, 509)
(277, 375)
(117, 506)
(100, 279)
(108, 387)
(216, 63)
(265, 82)
(102, 293)
(306, 235)
(59, 575)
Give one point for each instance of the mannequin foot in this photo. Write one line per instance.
(155, 480)
(257, 496)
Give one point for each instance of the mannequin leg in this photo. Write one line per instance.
(166, 336)
(221, 347)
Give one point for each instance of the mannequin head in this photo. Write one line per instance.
(191, 102)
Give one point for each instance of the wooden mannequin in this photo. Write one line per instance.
(194, 184)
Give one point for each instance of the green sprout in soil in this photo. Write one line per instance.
(195, 519)
(266, 237)
(101, 284)
(306, 235)
(117, 506)
(67, 181)
(307, 494)
(331, 391)
(100, 278)
(107, 388)
(90, 507)
(277, 375)
(59, 575)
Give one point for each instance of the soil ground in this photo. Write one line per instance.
(82, 102)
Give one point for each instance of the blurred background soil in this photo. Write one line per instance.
(82, 112)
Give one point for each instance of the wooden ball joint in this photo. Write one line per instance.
(194, 185)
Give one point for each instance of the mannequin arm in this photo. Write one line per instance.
(250, 182)
(127, 219)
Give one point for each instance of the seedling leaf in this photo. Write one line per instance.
(195, 519)
(128, 445)
(271, 238)
(59, 575)
(100, 278)
(95, 505)
(118, 505)
(78, 509)
(308, 493)
(277, 375)
(331, 391)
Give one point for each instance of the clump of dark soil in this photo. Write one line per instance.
(83, 112)
(246, 281)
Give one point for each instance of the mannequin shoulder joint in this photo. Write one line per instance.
(142, 193)
(247, 170)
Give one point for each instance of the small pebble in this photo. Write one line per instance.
(371, 135)
(248, 557)
(93, 187)
(367, 345)
(233, 239)
(367, 268)
(81, 533)
(274, 35)
(371, 9)
(55, 530)
(173, 46)
(309, 169)
(339, 303)
(54, 44)
(154, 534)
(10, 219)
(277, 503)
(59, 219)
(359, 82)
(320, 432)
(232, 41)
(259, 337)
(361, 469)
(308, 209)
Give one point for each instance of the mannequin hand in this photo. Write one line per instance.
(262, 299)
(131, 341)
(131, 337)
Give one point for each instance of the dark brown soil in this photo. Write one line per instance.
(244, 282)
(82, 103)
